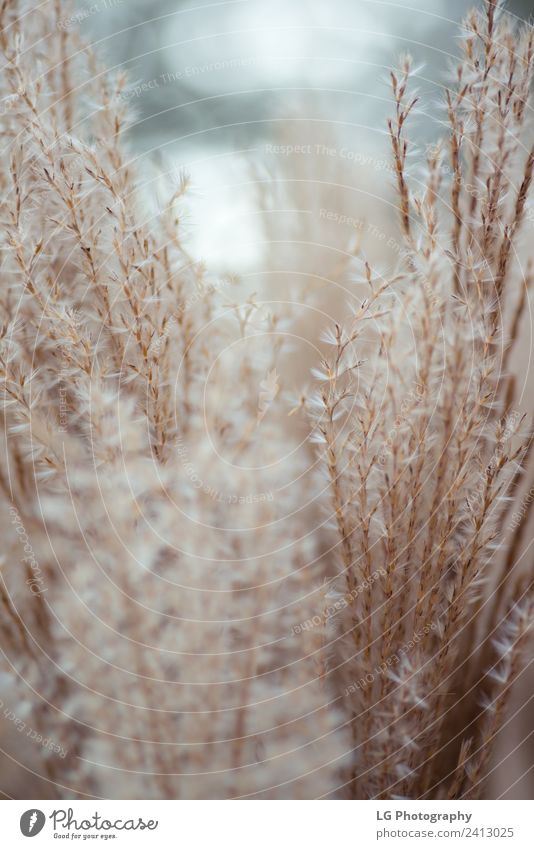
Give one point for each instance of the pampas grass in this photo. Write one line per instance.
(173, 615)
(422, 446)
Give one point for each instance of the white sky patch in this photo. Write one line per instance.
(225, 227)
(298, 42)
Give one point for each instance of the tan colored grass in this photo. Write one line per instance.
(178, 629)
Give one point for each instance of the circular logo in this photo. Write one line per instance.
(32, 822)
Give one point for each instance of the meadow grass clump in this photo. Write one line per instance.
(423, 447)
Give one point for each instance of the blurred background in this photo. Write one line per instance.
(215, 86)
